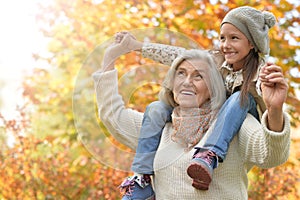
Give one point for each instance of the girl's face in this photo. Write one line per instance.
(190, 89)
(234, 45)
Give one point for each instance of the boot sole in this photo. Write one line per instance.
(201, 176)
(200, 185)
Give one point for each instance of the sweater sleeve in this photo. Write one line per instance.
(123, 123)
(161, 53)
(262, 147)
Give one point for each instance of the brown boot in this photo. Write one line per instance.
(201, 169)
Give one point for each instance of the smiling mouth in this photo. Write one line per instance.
(187, 92)
(229, 53)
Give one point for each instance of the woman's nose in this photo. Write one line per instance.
(187, 81)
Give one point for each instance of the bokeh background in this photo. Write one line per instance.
(44, 45)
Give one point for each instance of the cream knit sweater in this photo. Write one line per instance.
(253, 145)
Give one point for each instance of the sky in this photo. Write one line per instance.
(19, 38)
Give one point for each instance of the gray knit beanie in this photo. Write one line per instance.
(254, 24)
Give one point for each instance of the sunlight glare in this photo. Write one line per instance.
(19, 38)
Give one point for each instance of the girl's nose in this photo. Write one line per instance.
(226, 44)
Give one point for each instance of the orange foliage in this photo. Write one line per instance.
(44, 169)
(48, 162)
(281, 182)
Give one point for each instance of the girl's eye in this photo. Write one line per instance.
(222, 38)
(234, 37)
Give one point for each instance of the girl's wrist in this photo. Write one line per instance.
(135, 45)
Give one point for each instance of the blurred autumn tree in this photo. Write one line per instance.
(48, 162)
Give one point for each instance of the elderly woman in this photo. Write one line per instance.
(195, 88)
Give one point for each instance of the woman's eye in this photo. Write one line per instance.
(198, 77)
(180, 73)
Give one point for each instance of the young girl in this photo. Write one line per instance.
(244, 41)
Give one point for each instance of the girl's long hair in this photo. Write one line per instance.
(250, 68)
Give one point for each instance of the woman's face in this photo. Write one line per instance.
(234, 45)
(190, 89)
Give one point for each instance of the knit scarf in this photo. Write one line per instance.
(190, 124)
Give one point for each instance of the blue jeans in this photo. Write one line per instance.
(156, 116)
(229, 121)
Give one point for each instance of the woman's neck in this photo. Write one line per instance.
(190, 111)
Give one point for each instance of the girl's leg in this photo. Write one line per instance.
(227, 125)
(138, 186)
(156, 116)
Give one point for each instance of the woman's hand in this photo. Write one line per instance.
(127, 40)
(274, 91)
(124, 43)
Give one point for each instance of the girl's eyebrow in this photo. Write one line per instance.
(233, 33)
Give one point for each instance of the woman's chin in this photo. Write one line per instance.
(188, 104)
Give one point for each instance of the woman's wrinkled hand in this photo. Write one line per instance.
(124, 43)
(274, 91)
